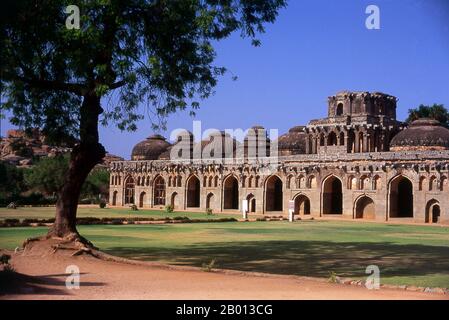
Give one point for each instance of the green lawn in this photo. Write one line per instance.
(84, 211)
(411, 255)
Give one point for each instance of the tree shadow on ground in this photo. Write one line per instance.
(305, 258)
(52, 284)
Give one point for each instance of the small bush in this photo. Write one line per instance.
(209, 211)
(207, 267)
(12, 205)
(102, 204)
(169, 208)
(332, 277)
(4, 258)
(134, 207)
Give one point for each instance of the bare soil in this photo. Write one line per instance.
(41, 274)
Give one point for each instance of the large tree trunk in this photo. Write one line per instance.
(85, 155)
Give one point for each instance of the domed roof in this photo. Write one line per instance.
(422, 134)
(213, 144)
(150, 148)
(293, 142)
(184, 142)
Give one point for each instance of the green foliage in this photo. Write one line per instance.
(12, 181)
(4, 258)
(159, 52)
(168, 208)
(102, 204)
(47, 176)
(209, 211)
(435, 111)
(332, 277)
(96, 184)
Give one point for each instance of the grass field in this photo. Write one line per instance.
(410, 255)
(95, 212)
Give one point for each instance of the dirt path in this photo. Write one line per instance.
(44, 278)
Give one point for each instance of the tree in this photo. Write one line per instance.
(97, 183)
(435, 111)
(47, 175)
(159, 52)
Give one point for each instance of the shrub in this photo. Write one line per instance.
(207, 267)
(102, 204)
(4, 258)
(12, 205)
(134, 207)
(169, 208)
(209, 211)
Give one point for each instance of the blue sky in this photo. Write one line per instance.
(315, 49)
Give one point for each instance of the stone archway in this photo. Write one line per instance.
(142, 199)
(193, 192)
(401, 197)
(231, 193)
(174, 200)
(114, 198)
(129, 190)
(302, 205)
(433, 211)
(332, 196)
(365, 208)
(251, 203)
(159, 191)
(209, 200)
(273, 194)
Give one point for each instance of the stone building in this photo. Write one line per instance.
(357, 163)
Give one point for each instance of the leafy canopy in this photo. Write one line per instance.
(155, 53)
(435, 111)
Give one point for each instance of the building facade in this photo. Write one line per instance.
(358, 163)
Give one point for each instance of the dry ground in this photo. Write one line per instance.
(41, 275)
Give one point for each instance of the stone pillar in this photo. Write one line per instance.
(357, 142)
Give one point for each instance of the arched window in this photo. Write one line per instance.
(129, 190)
(159, 191)
(339, 110)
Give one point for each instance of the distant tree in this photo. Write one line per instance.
(97, 183)
(159, 52)
(12, 181)
(435, 111)
(47, 175)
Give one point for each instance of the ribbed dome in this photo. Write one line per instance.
(184, 146)
(293, 142)
(422, 134)
(150, 149)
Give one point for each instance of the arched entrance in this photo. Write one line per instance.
(114, 198)
(129, 190)
(273, 194)
(142, 199)
(193, 192)
(159, 191)
(231, 193)
(302, 205)
(433, 211)
(209, 200)
(174, 200)
(401, 198)
(365, 208)
(251, 203)
(332, 196)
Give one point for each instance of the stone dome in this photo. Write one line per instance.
(213, 144)
(150, 148)
(292, 142)
(422, 134)
(184, 141)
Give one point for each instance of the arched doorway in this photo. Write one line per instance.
(129, 190)
(332, 196)
(433, 211)
(365, 208)
(174, 200)
(159, 191)
(231, 193)
(339, 110)
(114, 198)
(401, 198)
(302, 205)
(209, 200)
(332, 139)
(142, 199)
(251, 203)
(193, 192)
(273, 194)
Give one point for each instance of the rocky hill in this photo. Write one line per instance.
(21, 149)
